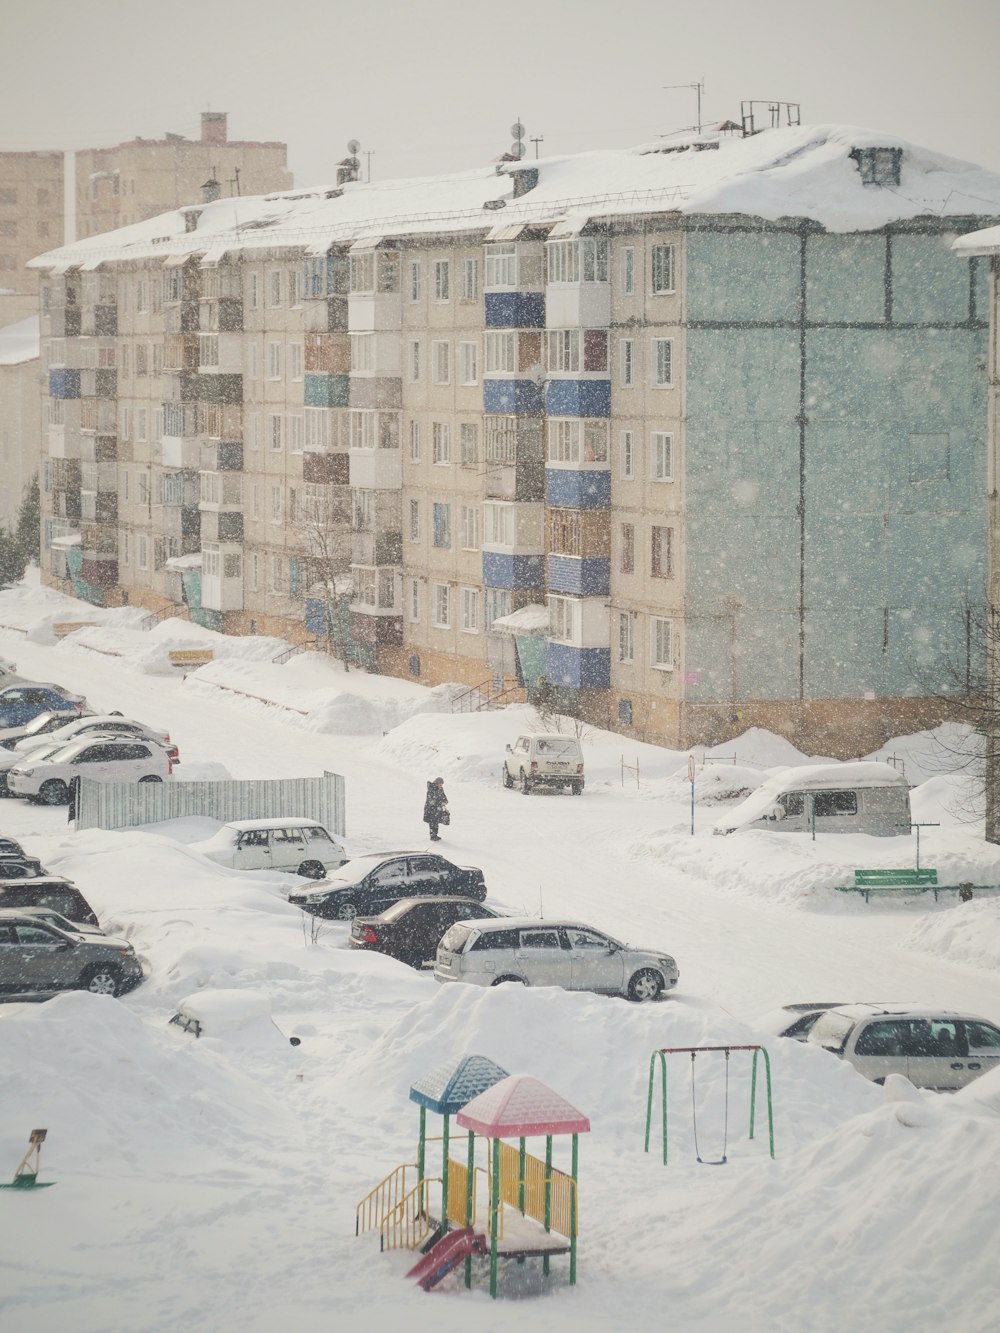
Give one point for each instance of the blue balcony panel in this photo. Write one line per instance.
(521, 398)
(578, 668)
(326, 390)
(567, 488)
(589, 575)
(64, 384)
(515, 310)
(578, 398)
(513, 571)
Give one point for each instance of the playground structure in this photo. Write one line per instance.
(694, 1052)
(512, 1206)
(27, 1169)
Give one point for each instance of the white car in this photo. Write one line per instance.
(42, 748)
(538, 760)
(52, 726)
(100, 758)
(299, 845)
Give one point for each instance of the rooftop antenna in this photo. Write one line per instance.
(698, 87)
(517, 149)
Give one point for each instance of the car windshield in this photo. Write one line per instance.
(455, 938)
(831, 1031)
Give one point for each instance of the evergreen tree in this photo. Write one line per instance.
(12, 560)
(27, 531)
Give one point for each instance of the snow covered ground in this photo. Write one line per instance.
(212, 1184)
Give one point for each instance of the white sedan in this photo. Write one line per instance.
(100, 758)
(54, 727)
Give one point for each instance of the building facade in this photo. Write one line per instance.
(731, 442)
(31, 221)
(20, 415)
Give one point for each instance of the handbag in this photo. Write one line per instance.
(444, 817)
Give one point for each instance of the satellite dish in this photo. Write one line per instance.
(517, 149)
(353, 146)
(517, 130)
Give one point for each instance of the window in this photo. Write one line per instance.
(296, 432)
(595, 350)
(470, 279)
(468, 434)
(362, 352)
(442, 525)
(294, 287)
(363, 272)
(295, 361)
(442, 280)
(317, 427)
(277, 504)
(830, 803)
(362, 429)
(468, 356)
(142, 550)
(628, 548)
(413, 600)
(141, 359)
(563, 261)
(663, 269)
(626, 636)
(626, 362)
(141, 296)
(442, 605)
(274, 361)
(564, 351)
(414, 361)
(628, 270)
(414, 520)
(414, 441)
(441, 442)
(275, 425)
(125, 548)
(388, 271)
(500, 354)
(142, 487)
(253, 430)
(661, 643)
(496, 603)
(274, 287)
(626, 455)
(663, 359)
(470, 527)
(662, 553)
(277, 574)
(141, 424)
(563, 612)
(441, 362)
(661, 456)
(593, 259)
(498, 524)
(415, 280)
(564, 441)
(565, 535)
(501, 265)
(208, 351)
(388, 430)
(469, 604)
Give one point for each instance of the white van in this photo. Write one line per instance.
(539, 759)
(860, 797)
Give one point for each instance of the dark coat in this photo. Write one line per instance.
(435, 804)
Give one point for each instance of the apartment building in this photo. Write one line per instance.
(142, 178)
(31, 221)
(20, 415)
(711, 410)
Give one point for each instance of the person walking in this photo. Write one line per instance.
(436, 808)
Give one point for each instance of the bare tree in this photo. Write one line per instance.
(322, 537)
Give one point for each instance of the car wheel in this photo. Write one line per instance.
(312, 870)
(346, 912)
(577, 788)
(101, 980)
(525, 784)
(150, 777)
(645, 985)
(53, 792)
(508, 781)
(4, 789)
(501, 981)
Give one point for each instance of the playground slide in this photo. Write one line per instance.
(441, 1258)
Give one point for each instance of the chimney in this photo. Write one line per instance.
(213, 127)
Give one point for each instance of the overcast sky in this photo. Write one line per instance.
(435, 85)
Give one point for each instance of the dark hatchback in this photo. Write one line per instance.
(53, 891)
(367, 885)
(411, 929)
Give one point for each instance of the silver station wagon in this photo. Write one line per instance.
(551, 953)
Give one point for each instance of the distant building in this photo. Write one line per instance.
(31, 221)
(145, 177)
(716, 406)
(20, 414)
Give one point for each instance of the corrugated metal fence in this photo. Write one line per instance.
(112, 805)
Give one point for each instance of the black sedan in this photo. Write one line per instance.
(411, 929)
(369, 884)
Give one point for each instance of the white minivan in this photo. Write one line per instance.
(301, 846)
(538, 759)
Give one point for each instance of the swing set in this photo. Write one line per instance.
(694, 1052)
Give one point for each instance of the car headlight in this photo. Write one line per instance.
(22, 772)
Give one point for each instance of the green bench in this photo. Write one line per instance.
(924, 880)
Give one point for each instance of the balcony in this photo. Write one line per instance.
(376, 469)
(220, 490)
(376, 548)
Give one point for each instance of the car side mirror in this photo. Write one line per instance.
(63, 946)
(508, 747)
(776, 812)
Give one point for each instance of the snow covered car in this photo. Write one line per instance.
(53, 891)
(99, 758)
(369, 884)
(795, 1020)
(933, 1048)
(551, 953)
(55, 728)
(299, 846)
(20, 703)
(241, 1017)
(36, 956)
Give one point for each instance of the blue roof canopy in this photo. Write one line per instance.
(448, 1087)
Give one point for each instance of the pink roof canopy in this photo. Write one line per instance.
(519, 1106)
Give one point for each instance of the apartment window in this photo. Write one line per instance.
(595, 350)
(253, 290)
(468, 435)
(157, 358)
(125, 477)
(387, 264)
(275, 430)
(501, 265)
(274, 287)
(125, 360)
(126, 548)
(295, 361)
(294, 287)
(253, 370)
(57, 411)
(661, 456)
(593, 259)
(470, 527)
(626, 455)
(363, 272)
(317, 427)
(141, 296)
(565, 534)
(363, 519)
(296, 432)
(470, 279)
(496, 603)
(413, 600)
(442, 525)
(626, 362)
(362, 352)
(88, 420)
(662, 553)
(141, 424)
(562, 261)
(142, 550)
(442, 605)
(441, 362)
(626, 636)
(208, 352)
(277, 504)
(441, 442)
(274, 361)
(414, 441)
(469, 604)
(468, 358)
(500, 354)
(362, 430)
(414, 520)
(563, 613)
(141, 359)
(278, 578)
(663, 269)
(628, 548)
(253, 430)
(253, 567)
(415, 280)
(498, 524)
(414, 362)
(564, 351)
(255, 502)
(442, 280)
(628, 270)
(663, 362)
(661, 643)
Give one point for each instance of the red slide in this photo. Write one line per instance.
(442, 1257)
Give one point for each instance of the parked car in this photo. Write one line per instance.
(100, 758)
(43, 748)
(369, 884)
(795, 1020)
(20, 703)
(933, 1048)
(54, 727)
(56, 919)
(862, 797)
(543, 760)
(551, 953)
(48, 891)
(300, 846)
(10, 847)
(411, 929)
(32, 732)
(240, 1017)
(36, 956)
(19, 867)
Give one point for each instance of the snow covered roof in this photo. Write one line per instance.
(451, 1085)
(533, 619)
(797, 172)
(19, 342)
(520, 1106)
(985, 242)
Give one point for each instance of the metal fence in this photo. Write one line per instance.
(112, 805)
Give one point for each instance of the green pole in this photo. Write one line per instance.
(548, 1196)
(444, 1178)
(572, 1212)
(494, 1211)
(520, 1177)
(753, 1093)
(421, 1144)
(470, 1194)
(649, 1099)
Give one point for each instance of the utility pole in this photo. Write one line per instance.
(368, 163)
(698, 87)
(536, 140)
